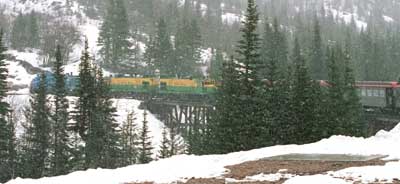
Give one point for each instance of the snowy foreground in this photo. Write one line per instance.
(184, 166)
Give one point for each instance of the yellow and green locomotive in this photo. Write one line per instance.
(128, 85)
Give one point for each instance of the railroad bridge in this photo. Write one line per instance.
(183, 111)
(180, 111)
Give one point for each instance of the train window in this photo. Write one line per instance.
(370, 92)
(363, 92)
(376, 92)
(382, 93)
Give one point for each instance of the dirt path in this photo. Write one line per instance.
(301, 168)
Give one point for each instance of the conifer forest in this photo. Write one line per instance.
(90, 84)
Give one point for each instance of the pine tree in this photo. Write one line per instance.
(18, 34)
(121, 44)
(105, 36)
(33, 33)
(269, 67)
(25, 31)
(36, 148)
(187, 48)
(216, 65)
(145, 149)
(195, 141)
(280, 51)
(175, 143)
(129, 140)
(86, 94)
(60, 118)
(275, 95)
(318, 66)
(149, 56)
(114, 35)
(105, 134)
(163, 50)
(248, 50)
(225, 127)
(250, 83)
(353, 125)
(305, 122)
(7, 140)
(335, 93)
(164, 148)
(85, 109)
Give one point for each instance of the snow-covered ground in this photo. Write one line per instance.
(126, 106)
(187, 166)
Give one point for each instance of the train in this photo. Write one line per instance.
(137, 85)
(373, 94)
(376, 95)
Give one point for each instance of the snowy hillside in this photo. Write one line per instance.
(25, 65)
(181, 168)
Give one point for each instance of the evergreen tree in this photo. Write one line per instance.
(226, 125)
(216, 65)
(274, 52)
(335, 93)
(105, 127)
(187, 48)
(60, 118)
(195, 141)
(145, 142)
(269, 69)
(280, 48)
(19, 38)
(275, 94)
(164, 148)
(7, 135)
(36, 148)
(129, 140)
(25, 31)
(248, 51)
(305, 128)
(318, 66)
(250, 83)
(114, 35)
(353, 125)
(163, 50)
(85, 110)
(149, 56)
(33, 32)
(175, 142)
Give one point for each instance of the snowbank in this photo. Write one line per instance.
(317, 179)
(185, 166)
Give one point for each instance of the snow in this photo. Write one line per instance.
(126, 106)
(231, 18)
(206, 55)
(42, 6)
(30, 56)
(261, 177)
(371, 174)
(17, 75)
(317, 179)
(187, 166)
(347, 18)
(18, 104)
(388, 19)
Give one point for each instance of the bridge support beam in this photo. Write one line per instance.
(183, 117)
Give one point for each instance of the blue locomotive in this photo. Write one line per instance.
(71, 82)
